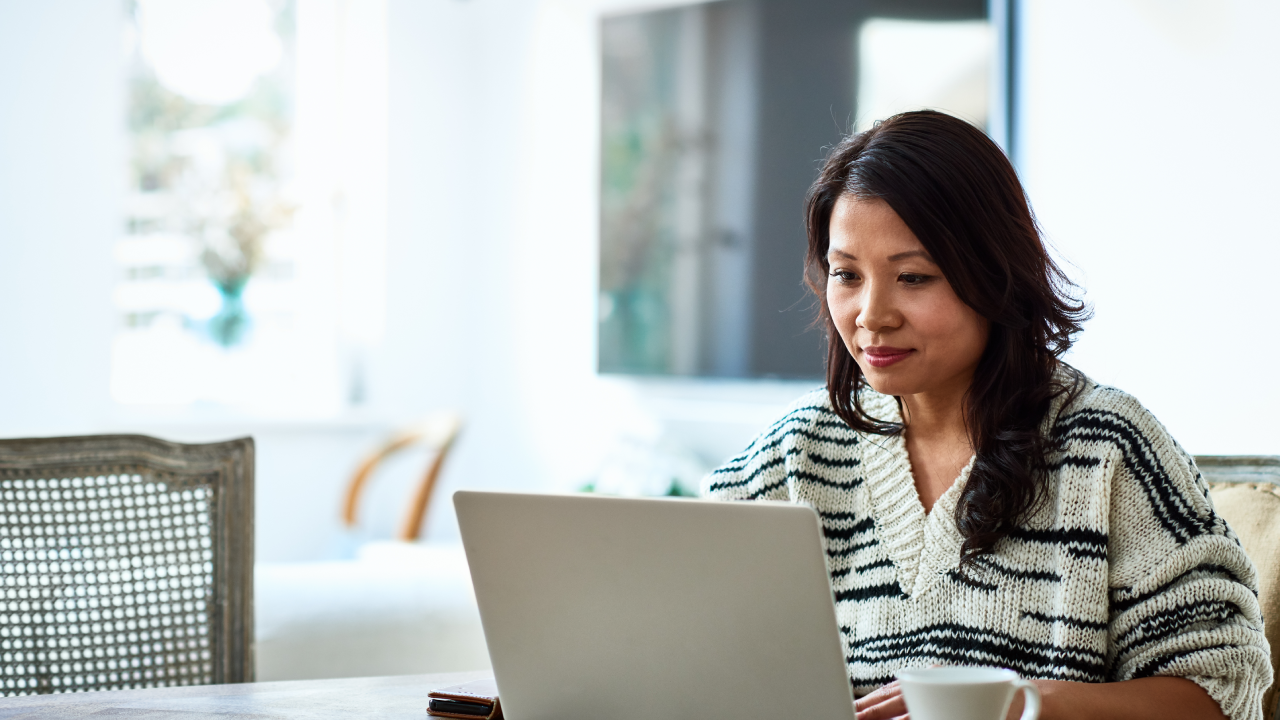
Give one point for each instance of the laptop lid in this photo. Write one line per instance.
(597, 607)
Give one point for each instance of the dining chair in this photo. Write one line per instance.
(125, 562)
(1246, 492)
(437, 433)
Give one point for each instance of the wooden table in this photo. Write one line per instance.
(396, 698)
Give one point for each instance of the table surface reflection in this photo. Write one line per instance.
(346, 698)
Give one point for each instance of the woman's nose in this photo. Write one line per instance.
(878, 311)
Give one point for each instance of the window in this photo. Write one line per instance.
(251, 268)
(913, 64)
(713, 118)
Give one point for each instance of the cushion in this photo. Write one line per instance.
(396, 609)
(1253, 512)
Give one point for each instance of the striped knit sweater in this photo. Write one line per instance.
(1125, 572)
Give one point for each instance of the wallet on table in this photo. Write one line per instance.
(475, 700)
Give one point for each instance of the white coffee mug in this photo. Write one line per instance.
(965, 693)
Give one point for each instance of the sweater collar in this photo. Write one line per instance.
(921, 545)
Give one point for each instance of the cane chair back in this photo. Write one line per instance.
(437, 433)
(125, 562)
(1246, 492)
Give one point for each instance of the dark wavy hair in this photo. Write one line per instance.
(959, 194)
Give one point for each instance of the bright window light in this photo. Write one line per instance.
(210, 51)
(914, 64)
(251, 265)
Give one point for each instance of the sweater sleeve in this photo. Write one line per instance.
(1183, 593)
(760, 472)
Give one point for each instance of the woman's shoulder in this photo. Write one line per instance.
(1086, 404)
(804, 414)
(1101, 422)
(816, 400)
(809, 416)
(809, 427)
(814, 409)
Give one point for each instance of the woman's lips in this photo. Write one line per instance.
(884, 356)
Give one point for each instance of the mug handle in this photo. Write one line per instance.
(1031, 699)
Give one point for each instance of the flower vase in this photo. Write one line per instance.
(230, 325)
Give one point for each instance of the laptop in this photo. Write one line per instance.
(628, 609)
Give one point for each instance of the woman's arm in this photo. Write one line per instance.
(1157, 698)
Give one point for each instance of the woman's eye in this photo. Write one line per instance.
(913, 279)
(844, 275)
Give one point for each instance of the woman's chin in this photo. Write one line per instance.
(888, 381)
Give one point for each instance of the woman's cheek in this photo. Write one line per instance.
(844, 312)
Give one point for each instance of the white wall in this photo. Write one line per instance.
(1150, 154)
(61, 178)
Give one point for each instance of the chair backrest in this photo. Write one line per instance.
(437, 434)
(125, 562)
(1246, 492)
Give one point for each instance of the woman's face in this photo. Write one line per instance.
(895, 312)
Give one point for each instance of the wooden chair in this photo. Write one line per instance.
(125, 562)
(1246, 492)
(437, 433)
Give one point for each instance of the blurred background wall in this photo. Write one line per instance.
(1149, 155)
(1145, 142)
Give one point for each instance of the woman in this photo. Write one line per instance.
(983, 503)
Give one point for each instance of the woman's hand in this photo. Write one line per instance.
(884, 703)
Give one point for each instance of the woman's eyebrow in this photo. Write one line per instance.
(911, 253)
(892, 258)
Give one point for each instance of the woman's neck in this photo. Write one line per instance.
(935, 414)
(937, 440)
